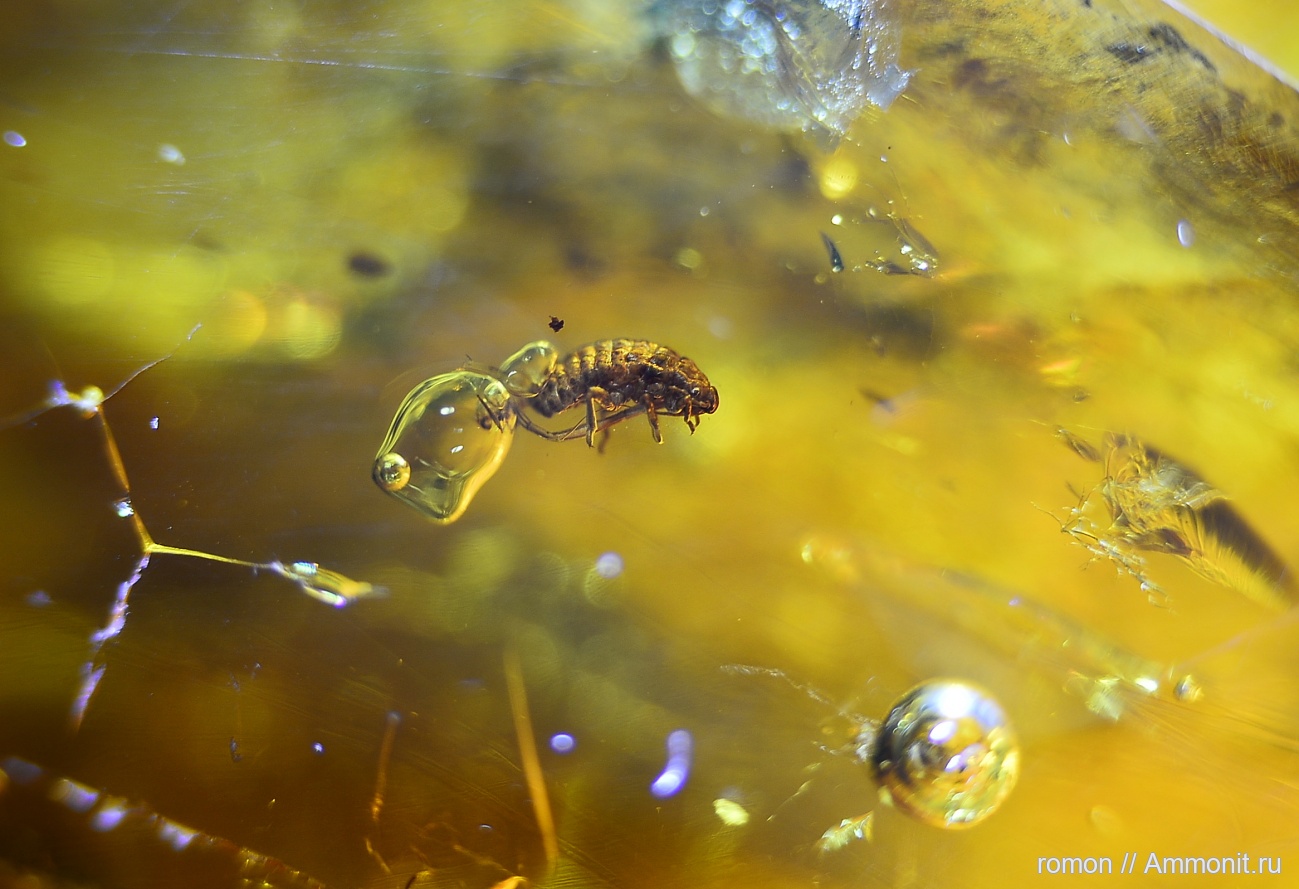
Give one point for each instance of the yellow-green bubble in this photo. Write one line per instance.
(525, 370)
(448, 438)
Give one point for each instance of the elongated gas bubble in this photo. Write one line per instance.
(946, 754)
(448, 438)
(786, 64)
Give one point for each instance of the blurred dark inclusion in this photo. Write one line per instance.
(351, 197)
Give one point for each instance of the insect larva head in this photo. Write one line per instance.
(689, 392)
(703, 399)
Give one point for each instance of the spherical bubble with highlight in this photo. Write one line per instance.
(946, 754)
(391, 472)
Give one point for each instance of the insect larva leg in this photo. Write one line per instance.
(591, 424)
(548, 435)
(654, 422)
(489, 415)
(692, 419)
(622, 413)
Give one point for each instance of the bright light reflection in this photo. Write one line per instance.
(608, 565)
(108, 817)
(1147, 684)
(175, 835)
(170, 154)
(674, 774)
(955, 700)
(942, 732)
(20, 771)
(77, 797)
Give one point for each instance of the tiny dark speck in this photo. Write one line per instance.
(556, 324)
(836, 261)
(367, 265)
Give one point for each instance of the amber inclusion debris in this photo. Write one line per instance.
(836, 260)
(1155, 504)
(921, 256)
(812, 65)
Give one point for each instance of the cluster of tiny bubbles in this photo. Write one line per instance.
(800, 64)
(449, 437)
(525, 370)
(946, 754)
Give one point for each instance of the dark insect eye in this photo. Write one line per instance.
(694, 391)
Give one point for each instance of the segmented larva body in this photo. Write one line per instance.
(624, 374)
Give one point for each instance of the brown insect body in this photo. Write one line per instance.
(622, 378)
